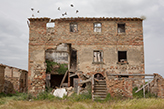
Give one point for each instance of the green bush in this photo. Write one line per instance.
(61, 70)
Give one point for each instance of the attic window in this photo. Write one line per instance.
(121, 28)
(122, 56)
(73, 27)
(97, 27)
(97, 56)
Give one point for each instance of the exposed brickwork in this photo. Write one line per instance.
(85, 40)
(2, 67)
(120, 87)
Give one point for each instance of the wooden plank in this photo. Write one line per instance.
(143, 86)
(85, 81)
(130, 74)
(63, 78)
(71, 75)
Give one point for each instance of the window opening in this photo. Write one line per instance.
(97, 56)
(97, 27)
(122, 56)
(121, 28)
(73, 27)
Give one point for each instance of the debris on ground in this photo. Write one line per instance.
(60, 92)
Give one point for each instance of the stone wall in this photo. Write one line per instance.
(157, 86)
(2, 67)
(86, 41)
(15, 80)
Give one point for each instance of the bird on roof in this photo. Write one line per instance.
(38, 11)
(71, 5)
(65, 13)
(59, 8)
(32, 9)
(77, 11)
(32, 15)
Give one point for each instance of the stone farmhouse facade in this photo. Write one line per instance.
(93, 45)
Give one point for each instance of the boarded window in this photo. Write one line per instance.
(73, 27)
(122, 56)
(97, 56)
(97, 27)
(121, 28)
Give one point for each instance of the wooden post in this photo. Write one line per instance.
(144, 92)
(92, 87)
(69, 79)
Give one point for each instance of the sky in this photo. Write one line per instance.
(14, 31)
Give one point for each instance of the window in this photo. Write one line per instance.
(97, 56)
(73, 27)
(122, 56)
(97, 27)
(121, 28)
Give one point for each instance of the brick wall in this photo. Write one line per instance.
(85, 41)
(2, 77)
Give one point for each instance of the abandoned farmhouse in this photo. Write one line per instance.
(92, 46)
(103, 54)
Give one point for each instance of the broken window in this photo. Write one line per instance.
(121, 28)
(97, 27)
(97, 56)
(73, 27)
(122, 56)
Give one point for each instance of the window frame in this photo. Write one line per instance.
(96, 29)
(125, 59)
(119, 28)
(98, 61)
(72, 28)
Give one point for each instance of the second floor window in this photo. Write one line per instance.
(121, 28)
(73, 27)
(97, 27)
(97, 56)
(122, 56)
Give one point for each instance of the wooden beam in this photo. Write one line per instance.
(130, 74)
(63, 78)
(71, 75)
(85, 81)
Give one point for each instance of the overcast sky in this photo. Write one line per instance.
(14, 32)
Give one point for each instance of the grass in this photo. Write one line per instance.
(47, 101)
(151, 103)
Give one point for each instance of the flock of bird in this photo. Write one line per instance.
(32, 9)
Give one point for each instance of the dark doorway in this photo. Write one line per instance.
(73, 62)
(56, 80)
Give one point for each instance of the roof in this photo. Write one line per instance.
(86, 19)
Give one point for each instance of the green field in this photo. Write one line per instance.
(151, 103)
